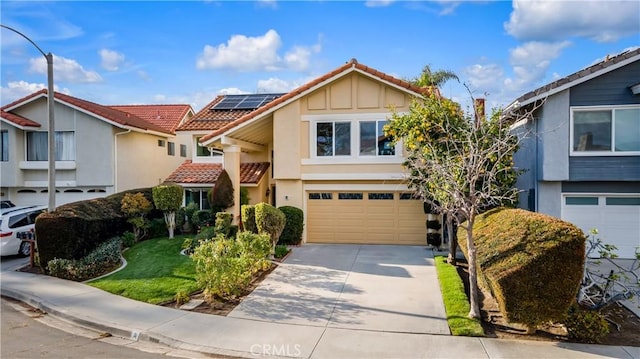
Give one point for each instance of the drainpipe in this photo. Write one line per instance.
(115, 159)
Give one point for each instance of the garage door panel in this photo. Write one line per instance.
(365, 217)
(616, 217)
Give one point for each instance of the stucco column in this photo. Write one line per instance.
(232, 166)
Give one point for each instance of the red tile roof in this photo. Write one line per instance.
(211, 120)
(168, 117)
(208, 173)
(119, 117)
(19, 120)
(353, 63)
(252, 172)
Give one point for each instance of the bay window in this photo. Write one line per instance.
(606, 130)
(37, 146)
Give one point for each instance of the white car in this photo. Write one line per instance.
(15, 221)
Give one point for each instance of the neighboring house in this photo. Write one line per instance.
(99, 149)
(328, 156)
(200, 171)
(581, 150)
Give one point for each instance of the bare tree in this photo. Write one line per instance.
(459, 167)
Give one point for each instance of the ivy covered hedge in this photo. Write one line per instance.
(73, 230)
(531, 263)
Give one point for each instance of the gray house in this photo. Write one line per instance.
(581, 150)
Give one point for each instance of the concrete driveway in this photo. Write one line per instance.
(369, 287)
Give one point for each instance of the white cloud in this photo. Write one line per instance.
(485, 78)
(260, 53)
(268, 3)
(243, 53)
(64, 70)
(111, 60)
(275, 85)
(378, 3)
(18, 89)
(530, 62)
(601, 21)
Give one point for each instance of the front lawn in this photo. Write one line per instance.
(455, 300)
(155, 272)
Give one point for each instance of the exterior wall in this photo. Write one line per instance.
(553, 131)
(354, 97)
(550, 198)
(609, 89)
(140, 162)
(601, 187)
(609, 168)
(289, 193)
(286, 147)
(525, 159)
(10, 175)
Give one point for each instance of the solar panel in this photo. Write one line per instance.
(245, 102)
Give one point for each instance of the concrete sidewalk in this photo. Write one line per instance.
(91, 307)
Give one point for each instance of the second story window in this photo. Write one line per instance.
(333, 138)
(37, 146)
(183, 150)
(373, 142)
(203, 151)
(4, 145)
(171, 148)
(604, 130)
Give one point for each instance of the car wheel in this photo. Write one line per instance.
(25, 249)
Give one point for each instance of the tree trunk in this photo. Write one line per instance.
(474, 311)
(170, 220)
(453, 241)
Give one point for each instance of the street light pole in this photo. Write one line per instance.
(51, 121)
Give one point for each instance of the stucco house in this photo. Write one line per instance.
(199, 172)
(99, 149)
(328, 155)
(581, 150)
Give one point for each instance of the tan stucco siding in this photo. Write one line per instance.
(354, 93)
(289, 193)
(286, 145)
(349, 168)
(141, 162)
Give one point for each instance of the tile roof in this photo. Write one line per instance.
(165, 116)
(119, 117)
(353, 63)
(208, 173)
(252, 172)
(575, 78)
(18, 120)
(211, 120)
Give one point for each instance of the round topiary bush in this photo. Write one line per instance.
(587, 326)
(292, 232)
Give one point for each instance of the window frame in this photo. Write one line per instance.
(215, 154)
(612, 151)
(354, 157)
(171, 148)
(74, 149)
(4, 145)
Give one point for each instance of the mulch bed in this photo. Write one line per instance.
(495, 326)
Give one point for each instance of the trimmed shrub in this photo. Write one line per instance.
(530, 262)
(294, 222)
(587, 326)
(225, 267)
(202, 218)
(73, 230)
(248, 215)
(221, 195)
(135, 206)
(223, 223)
(281, 251)
(168, 199)
(270, 220)
(102, 259)
(128, 239)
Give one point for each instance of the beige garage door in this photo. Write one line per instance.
(365, 217)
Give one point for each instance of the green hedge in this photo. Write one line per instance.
(292, 232)
(248, 217)
(73, 230)
(531, 263)
(269, 220)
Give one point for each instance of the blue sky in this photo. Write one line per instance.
(148, 52)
